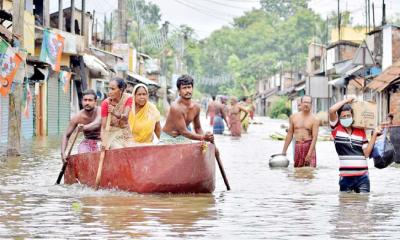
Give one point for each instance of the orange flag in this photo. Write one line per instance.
(52, 47)
(9, 63)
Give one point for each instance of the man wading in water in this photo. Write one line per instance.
(87, 120)
(220, 117)
(181, 114)
(304, 127)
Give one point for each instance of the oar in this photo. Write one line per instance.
(103, 151)
(64, 166)
(221, 167)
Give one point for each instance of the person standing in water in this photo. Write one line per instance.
(303, 126)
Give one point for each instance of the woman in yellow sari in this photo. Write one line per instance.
(144, 119)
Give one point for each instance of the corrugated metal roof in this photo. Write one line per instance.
(384, 79)
(357, 82)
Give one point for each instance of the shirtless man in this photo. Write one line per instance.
(220, 117)
(304, 127)
(87, 120)
(183, 112)
(211, 110)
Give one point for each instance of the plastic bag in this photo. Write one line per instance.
(383, 152)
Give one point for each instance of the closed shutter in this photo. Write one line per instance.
(52, 104)
(4, 119)
(28, 123)
(58, 107)
(64, 109)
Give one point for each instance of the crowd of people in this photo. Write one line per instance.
(235, 114)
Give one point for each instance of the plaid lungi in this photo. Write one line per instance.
(218, 127)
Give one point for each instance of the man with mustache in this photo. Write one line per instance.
(87, 120)
(183, 112)
(303, 126)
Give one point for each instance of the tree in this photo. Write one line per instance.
(283, 8)
(144, 12)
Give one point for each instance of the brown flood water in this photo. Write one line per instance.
(264, 203)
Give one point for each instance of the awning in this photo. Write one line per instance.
(343, 66)
(387, 77)
(299, 88)
(142, 79)
(338, 82)
(269, 92)
(355, 71)
(99, 52)
(357, 82)
(95, 65)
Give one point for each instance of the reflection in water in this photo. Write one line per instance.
(138, 213)
(301, 174)
(359, 218)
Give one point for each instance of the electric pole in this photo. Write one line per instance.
(15, 96)
(122, 21)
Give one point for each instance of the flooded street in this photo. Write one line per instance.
(264, 203)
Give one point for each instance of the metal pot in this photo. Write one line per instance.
(278, 160)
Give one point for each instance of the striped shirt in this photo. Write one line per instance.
(349, 147)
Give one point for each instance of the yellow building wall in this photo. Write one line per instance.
(29, 32)
(349, 34)
(7, 5)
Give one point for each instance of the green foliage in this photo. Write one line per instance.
(257, 45)
(283, 8)
(279, 108)
(145, 12)
(160, 106)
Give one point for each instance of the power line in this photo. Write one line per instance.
(201, 11)
(225, 5)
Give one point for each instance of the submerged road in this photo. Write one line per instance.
(264, 203)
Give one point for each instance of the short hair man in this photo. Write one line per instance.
(87, 120)
(304, 127)
(183, 112)
(211, 110)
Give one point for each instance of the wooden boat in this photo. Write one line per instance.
(177, 168)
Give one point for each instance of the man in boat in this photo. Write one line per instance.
(303, 126)
(183, 112)
(87, 120)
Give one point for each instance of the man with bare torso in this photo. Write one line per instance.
(211, 110)
(303, 126)
(87, 120)
(220, 117)
(183, 112)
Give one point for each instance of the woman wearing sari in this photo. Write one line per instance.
(118, 104)
(144, 119)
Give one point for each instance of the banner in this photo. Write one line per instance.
(65, 78)
(9, 63)
(52, 48)
(27, 98)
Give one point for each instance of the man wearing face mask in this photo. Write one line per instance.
(303, 126)
(352, 147)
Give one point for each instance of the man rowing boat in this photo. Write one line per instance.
(183, 112)
(87, 120)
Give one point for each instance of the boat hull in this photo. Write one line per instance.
(178, 168)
